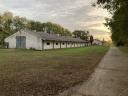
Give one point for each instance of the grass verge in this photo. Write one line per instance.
(36, 73)
(124, 49)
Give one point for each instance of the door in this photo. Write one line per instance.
(21, 42)
(6, 44)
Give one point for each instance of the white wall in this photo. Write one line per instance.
(97, 42)
(12, 41)
(69, 44)
(79, 44)
(83, 44)
(75, 44)
(63, 45)
(46, 46)
(56, 46)
(32, 41)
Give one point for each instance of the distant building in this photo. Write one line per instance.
(42, 41)
(97, 42)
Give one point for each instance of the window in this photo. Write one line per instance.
(68, 43)
(56, 43)
(63, 43)
(48, 43)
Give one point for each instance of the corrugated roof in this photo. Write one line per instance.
(55, 37)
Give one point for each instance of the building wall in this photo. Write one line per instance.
(32, 41)
(79, 44)
(97, 42)
(12, 42)
(76, 45)
(47, 45)
(69, 44)
(83, 44)
(63, 44)
(57, 45)
(72, 44)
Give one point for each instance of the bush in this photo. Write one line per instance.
(120, 43)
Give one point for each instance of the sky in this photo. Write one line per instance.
(71, 14)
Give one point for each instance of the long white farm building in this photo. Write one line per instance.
(41, 41)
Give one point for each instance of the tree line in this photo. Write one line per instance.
(10, 24)
(118, 24)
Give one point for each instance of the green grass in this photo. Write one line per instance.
(124, 49)
(45, 73)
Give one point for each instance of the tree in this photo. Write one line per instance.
(91, 39)
(81, 34)
(5, 26)
(118, 23)
(49, 27)
(10, 24)
(19, 23)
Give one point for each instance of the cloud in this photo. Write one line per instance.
(72, 14)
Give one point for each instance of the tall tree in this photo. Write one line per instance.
(5, 26)
(118, 23)
(19, 23)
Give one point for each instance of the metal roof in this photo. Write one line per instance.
(55, 37)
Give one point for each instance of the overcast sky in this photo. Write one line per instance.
(72, 14)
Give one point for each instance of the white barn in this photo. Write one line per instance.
(97, 42)
(41, 41)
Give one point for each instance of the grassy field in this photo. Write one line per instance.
(45, 73)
